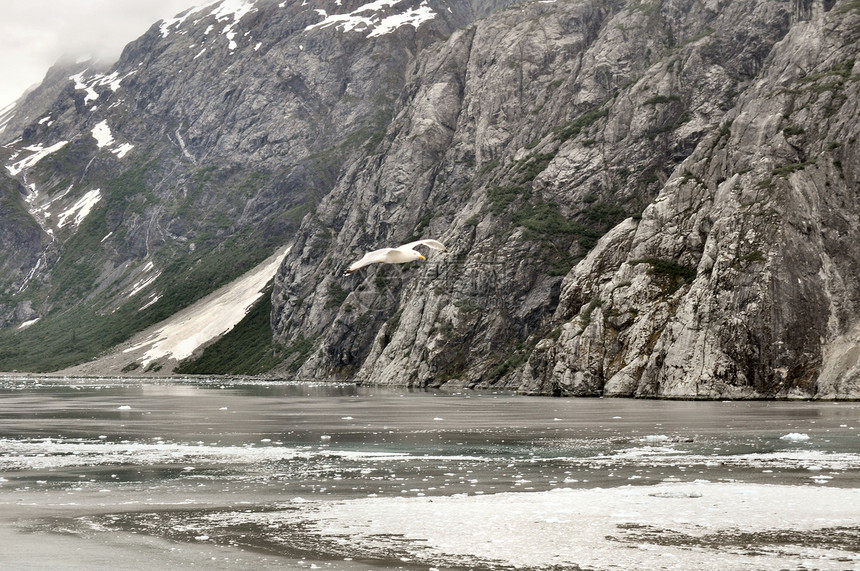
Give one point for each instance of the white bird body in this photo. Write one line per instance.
(400, 255)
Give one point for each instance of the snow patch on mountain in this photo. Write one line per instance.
(208, 319)
(177, 21)
(122, 150)
(102, 134)
(104, 138)
(79, 209)
(88, 84)
(6, 114)
(38, 153)
(232, 10)
(370, 18)
(145, 281)
(414, 17)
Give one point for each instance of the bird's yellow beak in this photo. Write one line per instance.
(422, 257)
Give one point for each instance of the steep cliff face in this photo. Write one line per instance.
(639, 198)
(664, 127)
(740, 279)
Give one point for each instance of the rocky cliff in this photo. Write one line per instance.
(639, 198)
(739, 278)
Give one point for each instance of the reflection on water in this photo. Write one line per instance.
(182, 460)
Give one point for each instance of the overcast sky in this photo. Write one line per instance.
(34, 34)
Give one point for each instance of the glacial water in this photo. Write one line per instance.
(222, 474)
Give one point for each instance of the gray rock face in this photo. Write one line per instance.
(649, 199)
(737, 281)
(706, 143)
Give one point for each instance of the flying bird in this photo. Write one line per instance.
(399, 255)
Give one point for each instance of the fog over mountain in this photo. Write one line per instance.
(34, 35)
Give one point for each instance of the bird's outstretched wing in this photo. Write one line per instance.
(373, 257)
(435, 244)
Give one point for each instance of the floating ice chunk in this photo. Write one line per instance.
(795, 437)
(325, 437)
(124, 407)
(654, 438)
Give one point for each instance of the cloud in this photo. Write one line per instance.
(34, 34)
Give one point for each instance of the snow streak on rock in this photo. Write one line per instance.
(212, 317)
(104, 138)
(233, 10)
(369, 18)
(89, 84)
(102, 134)
(39, 153)
(80, 209)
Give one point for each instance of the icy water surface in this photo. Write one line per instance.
(235, 475)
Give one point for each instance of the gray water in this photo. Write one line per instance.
(229, 474)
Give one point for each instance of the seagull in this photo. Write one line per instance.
(399, 255)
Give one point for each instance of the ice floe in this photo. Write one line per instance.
(52, 454)
(795, 437)
(700, 525)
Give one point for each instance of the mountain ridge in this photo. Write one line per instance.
(631, 192)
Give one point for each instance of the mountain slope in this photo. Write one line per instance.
(191, 160)
(651, 199)
(540, 129)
